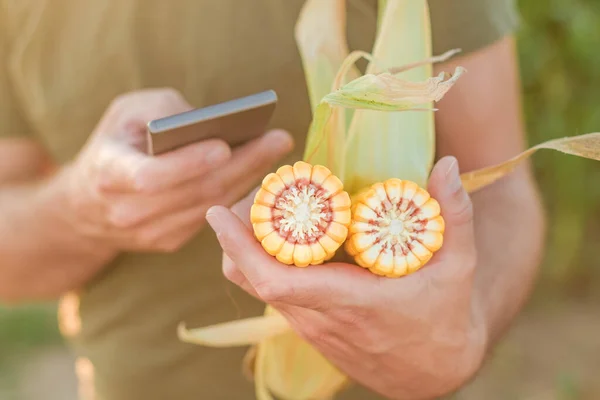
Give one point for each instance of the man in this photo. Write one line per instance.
(84, 211)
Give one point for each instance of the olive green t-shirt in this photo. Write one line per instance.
(63, 61)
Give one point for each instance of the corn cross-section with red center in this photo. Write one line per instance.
(301, 214)
(396, 227)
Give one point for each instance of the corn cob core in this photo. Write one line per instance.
(396, 227)
(301, 214)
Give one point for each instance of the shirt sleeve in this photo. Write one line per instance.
(471, 24)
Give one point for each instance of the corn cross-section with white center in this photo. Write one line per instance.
(396, 227)
(301, 214)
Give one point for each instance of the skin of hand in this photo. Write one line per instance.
(415, 337)
(120, 196)
(59, 229)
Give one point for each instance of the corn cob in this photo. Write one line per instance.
(396, 227)
(301, 214)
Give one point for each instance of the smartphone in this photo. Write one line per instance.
(236, 122)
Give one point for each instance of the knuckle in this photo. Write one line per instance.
(168, 96)
(231, 272)
(120, 101)
(464, 211)
(101, 180)
(169, 92)
(121, 215)
(132, 125)
(141, 178)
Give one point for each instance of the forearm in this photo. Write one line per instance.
(509, 226)
(41, 253)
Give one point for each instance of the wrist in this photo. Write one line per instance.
(62, 204)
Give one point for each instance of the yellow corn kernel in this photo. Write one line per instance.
(301, 214)
(396, 227)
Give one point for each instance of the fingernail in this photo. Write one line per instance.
(453, 176)
(213, 219)
(217, 155)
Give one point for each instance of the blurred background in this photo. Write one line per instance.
(553, 350)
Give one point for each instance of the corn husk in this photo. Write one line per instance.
(365, 129)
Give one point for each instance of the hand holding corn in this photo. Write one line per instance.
(373, 328)
(422, 335)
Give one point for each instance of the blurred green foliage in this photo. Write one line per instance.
(560, 66)
(22, 328)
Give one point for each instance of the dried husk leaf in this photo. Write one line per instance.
(287, 367)
(235, 333)
(586, 146)
(387, 92)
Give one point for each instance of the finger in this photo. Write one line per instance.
(234, 275)
(240, 246)
(315, 287)
(251, 162)
(131, 210)
(172, 230)
(456, 208)
(258, 155)
(126, 170)
(128, 115)
(164, 234)
(242, 210)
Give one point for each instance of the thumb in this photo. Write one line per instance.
(457, 209)
(230, 270)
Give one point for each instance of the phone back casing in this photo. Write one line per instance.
(236, 122)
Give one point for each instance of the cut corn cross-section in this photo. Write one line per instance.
(396, 227)
(301, 214)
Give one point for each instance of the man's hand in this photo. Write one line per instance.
(57, 232)
(416, 337)
(127, 200)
